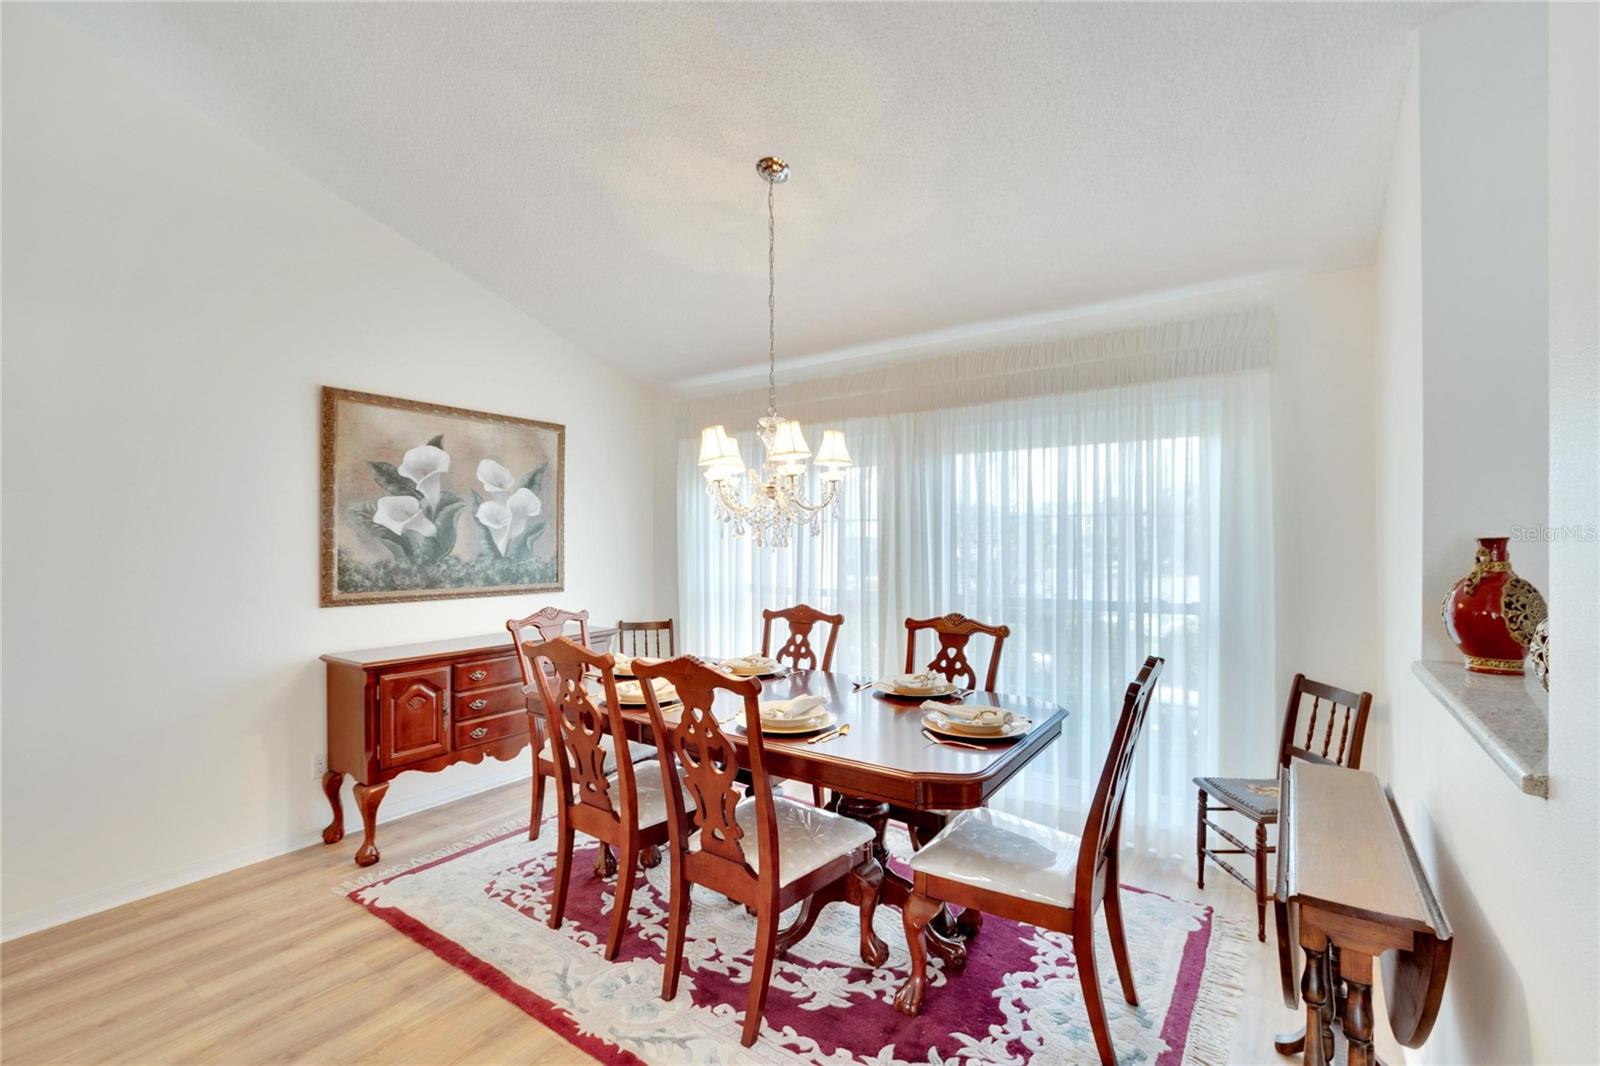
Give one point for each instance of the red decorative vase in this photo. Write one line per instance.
(1492, 613)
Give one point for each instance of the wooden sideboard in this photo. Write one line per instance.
(421, 707)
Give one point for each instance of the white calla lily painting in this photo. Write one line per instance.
(427, 502)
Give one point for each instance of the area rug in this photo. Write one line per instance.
(481, 905)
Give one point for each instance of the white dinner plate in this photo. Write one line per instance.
(944, 692)
(810, 725)
(631, 693)
(946, 727)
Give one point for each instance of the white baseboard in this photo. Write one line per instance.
(103, 899)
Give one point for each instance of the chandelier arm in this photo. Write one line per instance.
(734, 504)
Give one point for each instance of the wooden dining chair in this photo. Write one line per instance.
(599, 789)
(797, 651)
(766, 851)
(1256, 798)
(954, 631)
(1037, 874)
(646, 638)
(543, 625)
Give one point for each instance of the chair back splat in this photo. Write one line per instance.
(545, 624)
(954, 631)
(709, 762)
(1334, 724)
(1103, 828)
(652, 639)
(797, 650)
(582, 730)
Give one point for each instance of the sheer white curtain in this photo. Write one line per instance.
(1101, 525)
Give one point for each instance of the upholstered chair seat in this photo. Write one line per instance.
(808, 837)
(991, 849)
(650, 806)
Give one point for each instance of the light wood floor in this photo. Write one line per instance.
(266, 964)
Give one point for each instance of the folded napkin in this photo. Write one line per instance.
(985, 716)
(795, 710)
(634, 690)
(749, 664)
(918, 682)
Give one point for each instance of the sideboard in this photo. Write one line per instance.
(421, 707)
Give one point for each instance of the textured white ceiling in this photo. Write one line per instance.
(952, 163)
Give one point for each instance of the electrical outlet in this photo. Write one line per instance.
(319, 766)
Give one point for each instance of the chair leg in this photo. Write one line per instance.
(1083, 953)
(558, 905)
(866, 883)
(536, 815)
(1261, 881)
(1119, 943)
(760, 971)
(627, 871)
(916, 914)
(1200, 842)
(677, 927)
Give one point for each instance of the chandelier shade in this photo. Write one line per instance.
(776, 503)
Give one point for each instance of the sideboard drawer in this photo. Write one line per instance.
(486, 673)
(484, 702)
(486, 730)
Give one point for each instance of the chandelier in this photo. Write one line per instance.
(775, 504)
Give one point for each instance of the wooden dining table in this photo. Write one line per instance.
(887, 769)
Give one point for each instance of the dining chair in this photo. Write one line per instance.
(599, 789)
(1256, 798)
(546, 624)
(1037, 874)
(645, 638)
(766, 851)
(954, 631)
(797, 650)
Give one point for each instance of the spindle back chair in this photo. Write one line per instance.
(1323, 724)
(646, 638)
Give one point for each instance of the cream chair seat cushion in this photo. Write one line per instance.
(808, 837)
(651, 790)
(636, 751)
(1006, 854)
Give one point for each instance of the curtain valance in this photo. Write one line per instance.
(1215, 344)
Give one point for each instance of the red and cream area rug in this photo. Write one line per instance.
(481, 905)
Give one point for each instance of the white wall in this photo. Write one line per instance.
(1322, 457)
(174, 296)
(1464, 317)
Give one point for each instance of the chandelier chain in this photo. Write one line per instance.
(772, 313)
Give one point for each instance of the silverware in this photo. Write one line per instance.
(841, 731)
(859, 685)
(953, 743)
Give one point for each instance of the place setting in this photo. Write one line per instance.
(803, 717)
(758, 666)
(918, 686)
(977, 728)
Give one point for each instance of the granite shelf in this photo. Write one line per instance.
(1509, 717)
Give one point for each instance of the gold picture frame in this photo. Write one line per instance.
(426, 502)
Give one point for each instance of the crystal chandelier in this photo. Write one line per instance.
(775, 504)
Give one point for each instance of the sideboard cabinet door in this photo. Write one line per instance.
(413, 715)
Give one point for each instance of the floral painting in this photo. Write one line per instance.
(427, 502)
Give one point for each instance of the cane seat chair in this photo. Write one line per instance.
(599, 790)
(1033, 873)
(766, 851)
(1256, 798)
(797, 651)
(546, 624)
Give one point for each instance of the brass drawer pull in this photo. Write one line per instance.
(480, 732)
(478, 705)
(478, 675)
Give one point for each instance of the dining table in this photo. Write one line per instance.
(887, 768)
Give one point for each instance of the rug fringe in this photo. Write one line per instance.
(1216, 1006)
(373, 877)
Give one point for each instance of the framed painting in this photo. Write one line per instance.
(423, 502)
